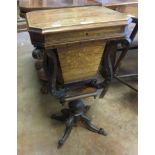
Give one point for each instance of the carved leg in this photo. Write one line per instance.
(37, 53)
(72, 115)
(68, 129)
(42, 75)
(86, 108)
(63, 116)
(44, 89)
(66, 112)
(39, 64)
(91, 127)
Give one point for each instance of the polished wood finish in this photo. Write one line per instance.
(71, 42)
(82, 91)
(128, 9)
(78, 63)
(25, 6)
(79, 34)
(71, 19)
(31, 5)
(123, 6)
(110, 3)
(75, 25)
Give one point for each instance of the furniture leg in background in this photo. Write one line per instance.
(126, 44)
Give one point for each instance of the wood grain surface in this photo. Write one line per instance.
(80, 63)
(31, 5)
(124, 6)
(79, 35)
(58, 20)
(110, 3)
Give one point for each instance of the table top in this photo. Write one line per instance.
(110, 3)
(30, 5)
(71, 19)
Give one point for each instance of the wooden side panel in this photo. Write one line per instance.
(80, 62)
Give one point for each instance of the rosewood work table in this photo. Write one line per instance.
(72, 46)
(129, 7)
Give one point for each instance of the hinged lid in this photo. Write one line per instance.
(68, 19)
